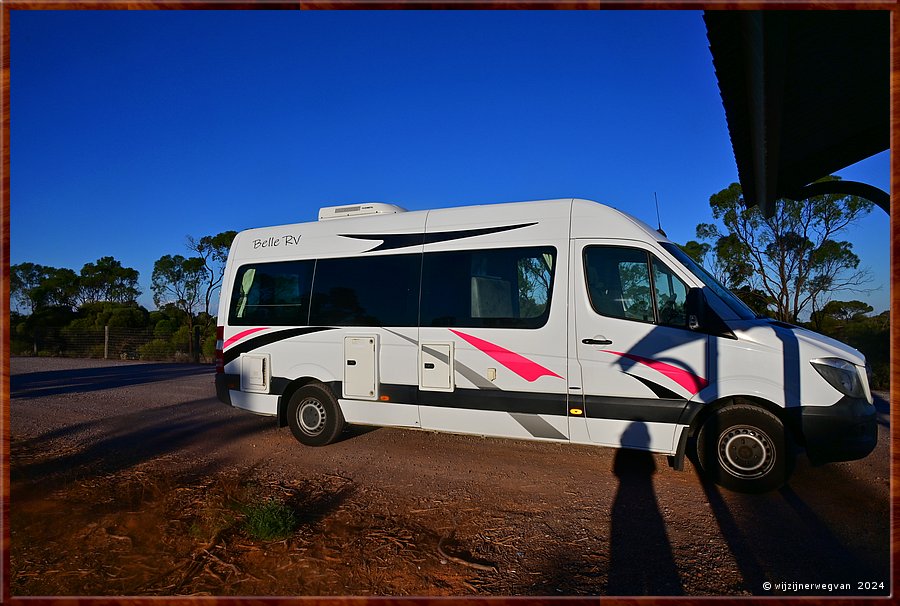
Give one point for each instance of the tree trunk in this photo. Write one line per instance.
(191, 336)
(195, 345)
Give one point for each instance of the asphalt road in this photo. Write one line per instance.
(523, 518)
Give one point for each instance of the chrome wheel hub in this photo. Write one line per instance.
(311, 416)
(746, 452)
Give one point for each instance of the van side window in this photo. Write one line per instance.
(271, 294)
(619, 286)
(367, 291)
(501, 288)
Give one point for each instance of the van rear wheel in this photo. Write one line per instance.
(314, 416)
(745, 449)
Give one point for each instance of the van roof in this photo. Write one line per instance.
(589, 219)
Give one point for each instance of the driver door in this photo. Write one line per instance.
(639, 360)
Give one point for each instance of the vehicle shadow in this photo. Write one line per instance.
(123, 442)
(783, 537)
(744, 555)
(354, 431)
(884, 410)
(82, 380)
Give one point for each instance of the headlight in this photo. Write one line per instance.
(840, 374)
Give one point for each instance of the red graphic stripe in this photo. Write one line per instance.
(522, 366)
(688, 380)
(241, 335)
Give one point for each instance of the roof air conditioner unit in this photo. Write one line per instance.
(358, 210)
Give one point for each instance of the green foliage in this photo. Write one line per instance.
(181, 339)
(20, 340)
(793, 257)
(37, 286)
(209, 346)
(114, 315)
(846, 310)
(636, 291)
(758, 301)
(96, 351)
(25, 281)
(165, 328)
(837, 315)
(56, 316)
(104, 293)
(107, 280)
(213, 250)
(848, 321)
(269, 519)
(42, 331)
(130, 316)
(533, 283)
(157, 349)
(176, 280)
(695, 250)
(60, 288)
(734, 263)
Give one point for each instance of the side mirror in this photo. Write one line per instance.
(695, 307)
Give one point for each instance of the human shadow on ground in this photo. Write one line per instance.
(641, 560)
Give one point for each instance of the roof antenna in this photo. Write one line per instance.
(658, 222)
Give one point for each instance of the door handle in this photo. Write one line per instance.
(429, 365)
(596, 341)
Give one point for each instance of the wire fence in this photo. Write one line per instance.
(111, 343)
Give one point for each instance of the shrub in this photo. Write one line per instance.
(164, 328)
(157, 349)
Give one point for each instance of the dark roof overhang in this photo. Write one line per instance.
(806, 93)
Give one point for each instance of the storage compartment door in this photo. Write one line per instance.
(361, 367)
(255, 373)
(436, 367)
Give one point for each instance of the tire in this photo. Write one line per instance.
(314, 416)
(745, 449)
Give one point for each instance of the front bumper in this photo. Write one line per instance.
(845, 431)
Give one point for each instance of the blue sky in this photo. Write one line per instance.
(131, 130)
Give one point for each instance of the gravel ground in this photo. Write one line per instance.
(132, 479)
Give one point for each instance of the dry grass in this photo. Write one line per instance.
(147, 532)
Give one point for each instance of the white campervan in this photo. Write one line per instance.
(561, 320)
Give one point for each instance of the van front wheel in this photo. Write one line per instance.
(314, 416)
(745, 449)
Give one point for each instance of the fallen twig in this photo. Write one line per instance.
(457, 560)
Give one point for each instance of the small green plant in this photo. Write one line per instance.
(269, 520)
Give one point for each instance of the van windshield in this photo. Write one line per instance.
(730, 299)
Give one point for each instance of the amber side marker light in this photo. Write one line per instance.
(385, 398)
(576, 411)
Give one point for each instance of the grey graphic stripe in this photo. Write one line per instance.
(532, 423)
(470, 374)
(536, 426)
